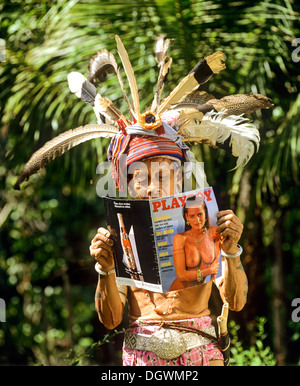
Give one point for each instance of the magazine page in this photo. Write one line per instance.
(130, 224)
(188, 246)
(165, 244)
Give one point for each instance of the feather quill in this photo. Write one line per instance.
(161, 48)
(101, 64)
(60, 145)
(234, 133)
(130, 76)
(198, 75)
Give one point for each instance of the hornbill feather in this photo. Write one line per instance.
(60, 145)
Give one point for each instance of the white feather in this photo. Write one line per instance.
(217, 128)
(75, 81)
(86, 91)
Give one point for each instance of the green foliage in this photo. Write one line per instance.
(85, 354)
(257, 354)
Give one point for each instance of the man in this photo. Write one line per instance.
(150, 138)
(189, 305)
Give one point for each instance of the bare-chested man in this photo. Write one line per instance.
(187, 307)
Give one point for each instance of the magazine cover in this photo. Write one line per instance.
(166, 243)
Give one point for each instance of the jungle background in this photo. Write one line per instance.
(47, 277)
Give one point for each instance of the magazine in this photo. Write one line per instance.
(166, 243)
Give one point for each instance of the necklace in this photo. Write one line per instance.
(197, 241)
(158, 311)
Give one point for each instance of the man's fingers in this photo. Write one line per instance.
(103, 243)
(102, 238)
(230, 233)
(227, 215)
(229, 225)
(228, 220)
(103, 232)
(100, 254)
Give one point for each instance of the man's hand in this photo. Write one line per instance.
(231, 228)
(101, 249)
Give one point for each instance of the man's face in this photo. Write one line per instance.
(154, 177)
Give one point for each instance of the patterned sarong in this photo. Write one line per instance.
(198, 356)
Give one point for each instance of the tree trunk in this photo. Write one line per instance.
(68, 302)
(253, 260)
(279, 303)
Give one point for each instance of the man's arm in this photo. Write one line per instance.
(234, 285)
(109, 302)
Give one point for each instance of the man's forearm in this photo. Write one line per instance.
(108, 302)
(234, 287)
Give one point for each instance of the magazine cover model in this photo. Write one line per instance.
(167, 243)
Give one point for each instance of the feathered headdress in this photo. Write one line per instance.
(186, 115)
